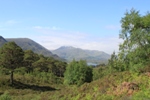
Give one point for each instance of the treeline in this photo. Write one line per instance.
(14, 59)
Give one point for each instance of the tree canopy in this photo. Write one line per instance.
(134, 52)
(77, 72)
(11, 57)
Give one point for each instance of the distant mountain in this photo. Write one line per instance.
(91, 56)
(28, 44)
(2, 41)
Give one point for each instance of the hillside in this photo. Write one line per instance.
(91, 56)
(28, 44)
(2, 41)
(116, 86)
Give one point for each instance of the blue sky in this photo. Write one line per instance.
(86, 24)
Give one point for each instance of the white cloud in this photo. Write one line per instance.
(55, 28)
(53, 39)
(10, 22)
(37, 27)
(46, 28)
(113, 27)
(7, 25)
(106, 44)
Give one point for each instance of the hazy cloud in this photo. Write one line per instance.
(53, 39)
(10, 22)
(37, 27)
(47, 28)
(55, 28)
(113, 27)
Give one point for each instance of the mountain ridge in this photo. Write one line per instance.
(92, 56)
(64, 52)
(2, 41)
(29, 44)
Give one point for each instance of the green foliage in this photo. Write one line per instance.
(41, 64)
(46, 64)
(5, 96)
(100, 72)
(142, 95)
(29, 58)
(135, 32)
(11, 57)
(58, 68)
(77, 73)
(134, 52)
(4, 81)
(113, 62)
(21, 70)
(45, 77)
(4, 71)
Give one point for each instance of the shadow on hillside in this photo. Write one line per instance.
(19, 85)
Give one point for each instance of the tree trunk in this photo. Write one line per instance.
(11, 77)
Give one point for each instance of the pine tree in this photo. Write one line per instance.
(11, 57)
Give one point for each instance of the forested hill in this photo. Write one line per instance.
(91, 56)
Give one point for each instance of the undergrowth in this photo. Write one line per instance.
(44, 86)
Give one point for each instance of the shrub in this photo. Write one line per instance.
(78, 73)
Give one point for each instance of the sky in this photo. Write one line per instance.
(86, 24)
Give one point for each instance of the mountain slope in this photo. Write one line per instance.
(91, 56)
(2, 41)
(28, 44)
